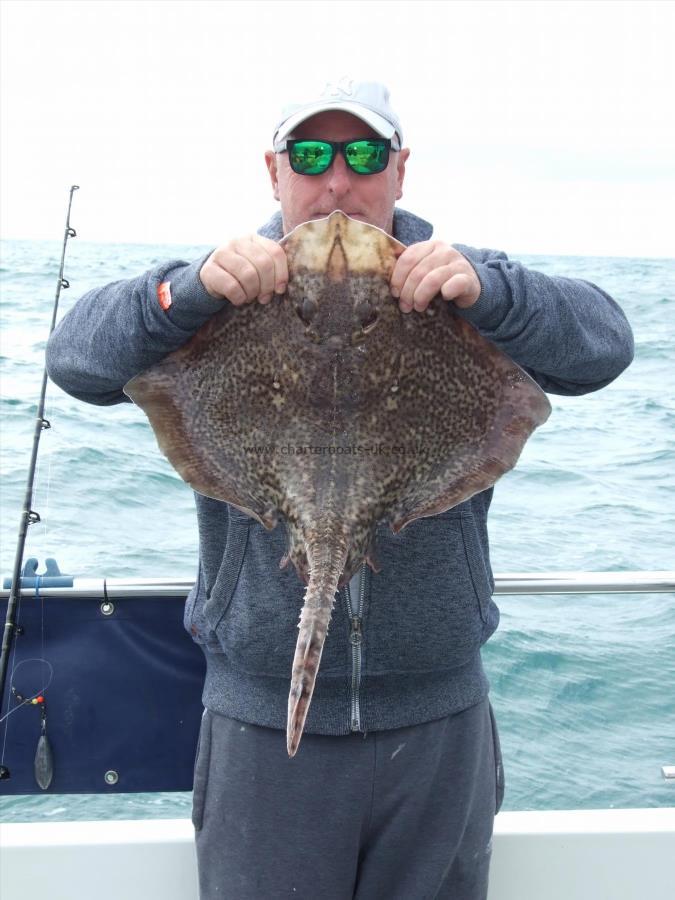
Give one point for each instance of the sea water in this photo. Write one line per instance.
(583, 685)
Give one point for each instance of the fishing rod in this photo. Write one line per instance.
(28, 515)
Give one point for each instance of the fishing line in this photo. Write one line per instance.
(20, 699)
(29, 516)
(6, 716)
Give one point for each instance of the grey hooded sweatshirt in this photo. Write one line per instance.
(404, 647)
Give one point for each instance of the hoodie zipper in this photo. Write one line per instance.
(355, 614)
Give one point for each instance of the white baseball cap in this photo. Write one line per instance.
(367, 100)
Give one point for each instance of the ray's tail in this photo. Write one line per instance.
(326, 557)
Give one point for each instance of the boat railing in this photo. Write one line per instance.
(524, 583)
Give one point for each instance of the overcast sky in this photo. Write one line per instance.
(535, 127)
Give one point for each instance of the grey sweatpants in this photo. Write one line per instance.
(405, 814)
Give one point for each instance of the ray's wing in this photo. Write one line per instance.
(485, 408)
(193, 399)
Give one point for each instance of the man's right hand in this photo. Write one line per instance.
(246, 269)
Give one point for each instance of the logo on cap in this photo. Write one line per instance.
(342, 88)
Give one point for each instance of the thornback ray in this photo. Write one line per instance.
(333, 411)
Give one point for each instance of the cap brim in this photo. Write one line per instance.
(384, 128)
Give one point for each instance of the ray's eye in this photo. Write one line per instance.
(369, 322)
(366, 315)
(307, 309)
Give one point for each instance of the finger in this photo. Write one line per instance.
(406, 262)
(441, 262)
(461, 289)
(224, 284)
(278, 255)
(271, 263)
(219, 280)
(256, 254)
(429, 287)
(238, 268)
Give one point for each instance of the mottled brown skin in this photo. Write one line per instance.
(334, 364)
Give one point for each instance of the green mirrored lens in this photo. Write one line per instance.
(367, 157)
(310, 157)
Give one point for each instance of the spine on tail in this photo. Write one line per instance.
(326, 559)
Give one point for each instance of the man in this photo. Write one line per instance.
(393, 793)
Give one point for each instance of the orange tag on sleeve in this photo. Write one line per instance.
(164, 295)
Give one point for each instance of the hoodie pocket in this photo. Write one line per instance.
(426, 609)
(219, 596)
(195, 621)
(479, 569)
(257, 628)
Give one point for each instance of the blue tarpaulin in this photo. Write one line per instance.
(122, 695)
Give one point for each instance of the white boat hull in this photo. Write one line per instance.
(624, 854)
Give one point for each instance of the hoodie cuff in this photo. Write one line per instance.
(494, 301)
(190, 305)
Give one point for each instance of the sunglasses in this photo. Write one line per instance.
(365, 157)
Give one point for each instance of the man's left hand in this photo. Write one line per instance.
(429, 268)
